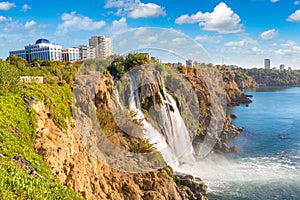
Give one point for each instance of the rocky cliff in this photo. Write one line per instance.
(74, 166)
(244, 81)
(233, 83)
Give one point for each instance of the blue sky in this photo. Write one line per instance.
(241, 32)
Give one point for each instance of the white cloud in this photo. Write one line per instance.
(222, 20)
(135, 8)
(75, 22)
(26, 7)
(294, 17)
(256, 50)
(4, 19)
(288, 47)
(293, 50)
(146, 11)
(214, 39)
(119, 26)
(29, 24)
(5, 5)
(287, 43)
(269, 34)
(296, 2)
(179, 41)
(274, 1)
(241, 43)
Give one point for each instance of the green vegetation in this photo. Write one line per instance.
(269, 77)
(119, 66)
(56, 98)
(31, 179)
(18, 184)
(143, 146)
(9, 78)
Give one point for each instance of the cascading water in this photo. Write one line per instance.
(174, 144)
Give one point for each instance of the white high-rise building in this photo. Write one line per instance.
(102, 45)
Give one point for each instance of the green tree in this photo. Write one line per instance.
(117, 67)
(135, 59)
(36, 62)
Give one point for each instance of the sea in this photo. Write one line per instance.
(267, 164)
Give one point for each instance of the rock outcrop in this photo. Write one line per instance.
(73, 164)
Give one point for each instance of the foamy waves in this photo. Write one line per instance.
(219, 172)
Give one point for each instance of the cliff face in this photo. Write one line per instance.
(234, 95)
(74, 165)
(244, 81)
(77, 168)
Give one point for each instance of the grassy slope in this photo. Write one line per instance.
(17, 135)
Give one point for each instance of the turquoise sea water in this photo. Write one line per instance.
(267, 165)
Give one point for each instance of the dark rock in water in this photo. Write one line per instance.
(247, 105)
(240, 129)
(248, 95)
(233, 116)
(283, 137)
(191, 187)
(233, 149)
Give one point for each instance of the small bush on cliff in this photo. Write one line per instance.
(143, 146)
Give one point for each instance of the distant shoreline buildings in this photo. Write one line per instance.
(99, 47)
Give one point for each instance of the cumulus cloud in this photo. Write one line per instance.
(214, 39)
(5, 5)
(241, 43)
(146, 11)
(274, 1)
(269, 34)
(293, 50)
(288, 48)
(179, 40)
(29, 24)
(26, 7)
(296, 2)
(287, 43)
(135, 8)
(75, 22)
(4, 19)
(118, 26)
(256, 50)
(294, 17)
(222, 20)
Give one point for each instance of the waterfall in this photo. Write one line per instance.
(173, 140)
